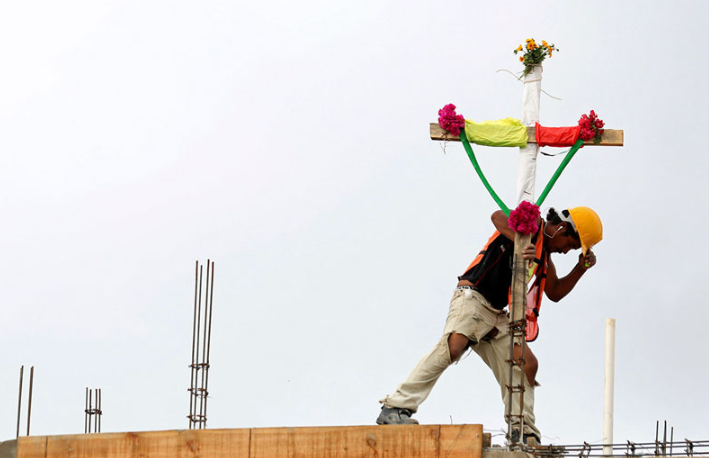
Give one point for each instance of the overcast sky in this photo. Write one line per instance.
(288, 142)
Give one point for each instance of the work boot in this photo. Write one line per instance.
(531, 440)
(528, 439)
(395, 416)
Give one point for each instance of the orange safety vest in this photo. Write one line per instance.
(536, 291)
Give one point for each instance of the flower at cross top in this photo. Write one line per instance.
(534, 54)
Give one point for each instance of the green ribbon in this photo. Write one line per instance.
(496, 198)
(471, 155)
(560, 169)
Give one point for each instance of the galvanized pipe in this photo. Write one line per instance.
(608, 387)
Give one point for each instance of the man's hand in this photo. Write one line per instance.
(529, 252)
(588, 261)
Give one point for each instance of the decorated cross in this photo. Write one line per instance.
(528, 135)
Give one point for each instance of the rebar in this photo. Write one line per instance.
(690, 447)
(630, 449)
(92, 411)
(664, 441)
(201, 340)
(29, 401)
(19, 403)
(194, 333)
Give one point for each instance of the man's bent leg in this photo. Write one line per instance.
(411, 393)
(469, 318)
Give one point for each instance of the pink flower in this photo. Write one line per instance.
(524, 218)
(591, 127)
(449, 120)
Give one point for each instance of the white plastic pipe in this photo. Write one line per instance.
(608, 388)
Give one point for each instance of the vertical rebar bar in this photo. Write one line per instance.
(209, 343)
(198, 393)
(192, 365)
(95, 396)
(664, 441)
(672, 439)
(29, 402)
(19, 403)
(91, 408)
(100, 410)
(86, 412)
(203, 392)
(201, 345)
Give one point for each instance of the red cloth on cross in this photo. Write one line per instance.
(556, 136)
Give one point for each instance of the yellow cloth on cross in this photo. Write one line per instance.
(500, 132)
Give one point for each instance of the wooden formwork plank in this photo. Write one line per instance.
(410, 441)
(157, 444)
(213, 443)
(154, 444)
(458, 441)
(405, 441)
(414, 442)
(32, 447)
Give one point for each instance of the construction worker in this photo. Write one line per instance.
(477, 317)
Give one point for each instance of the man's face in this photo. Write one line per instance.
(561, 242)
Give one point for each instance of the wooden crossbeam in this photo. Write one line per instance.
(610, 137)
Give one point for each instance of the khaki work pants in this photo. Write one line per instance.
(470, 314)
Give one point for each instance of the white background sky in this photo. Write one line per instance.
(288, 141)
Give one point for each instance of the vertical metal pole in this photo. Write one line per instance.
(86, 412)
(203, 392)
(19, 403)
(664, 441)
(672, 439)
(29, 404)
(608, 384)
(95, 410)
(209, 343)
(192, 366)
(199, 318)
(91, 408)
(94, 397)
(201, 345)
(100, 410)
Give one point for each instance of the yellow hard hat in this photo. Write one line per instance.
(588, 225)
